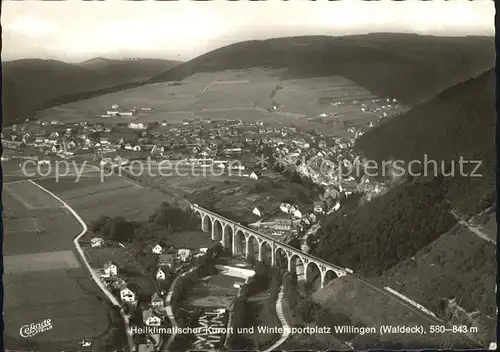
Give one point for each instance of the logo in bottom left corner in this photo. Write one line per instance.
(35, 328)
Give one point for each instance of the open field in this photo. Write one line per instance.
(214, 291)
(14, 264)
(115, 196)
(17, 170)
(43, 277)
(189, 239)
(31, 197)
(233, 94)
(28, 230)
(68, 297)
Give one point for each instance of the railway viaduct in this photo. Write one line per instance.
(246, 242)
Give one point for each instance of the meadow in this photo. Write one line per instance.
(115, 196)
(248, 95)
(43, 277)
(457, 265)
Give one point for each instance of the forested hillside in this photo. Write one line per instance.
(460, 122)
(387, 230)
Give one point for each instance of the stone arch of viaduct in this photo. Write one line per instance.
(231, 234)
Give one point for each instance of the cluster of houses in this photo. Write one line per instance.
(294, 221)
(152, 314)
(170, 257)
(192, 138)
(116, 111)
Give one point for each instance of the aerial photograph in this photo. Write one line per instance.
(248, 176)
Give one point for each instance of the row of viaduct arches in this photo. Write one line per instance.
(249, 244)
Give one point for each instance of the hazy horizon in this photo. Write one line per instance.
(184, 30)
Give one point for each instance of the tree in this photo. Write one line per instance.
(100, 224)
(295, 242)
(120, 229)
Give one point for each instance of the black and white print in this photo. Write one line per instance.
(221, 176)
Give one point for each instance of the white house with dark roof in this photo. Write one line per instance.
(160, 275)
(97, 242)
(157, 301)
(258, 210)
(126, 295)
(137, 125)
(285, 207)
(157, 249)
(184, 254)
(150, 319)
(110, 269)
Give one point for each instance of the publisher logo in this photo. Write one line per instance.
(35, 328)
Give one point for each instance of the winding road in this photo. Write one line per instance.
(170, 314)
(108, 294)
(286, 328)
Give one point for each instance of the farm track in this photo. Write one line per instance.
(108, 294)
(284, 324)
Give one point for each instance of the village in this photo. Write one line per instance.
(193, 139)
(248, 149)
(151, 320)
(260, 152)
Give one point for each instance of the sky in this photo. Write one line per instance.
(74, 30)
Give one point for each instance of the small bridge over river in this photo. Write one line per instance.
(246, 242)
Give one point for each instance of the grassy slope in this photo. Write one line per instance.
(32, 84)
(457, 265)
(237, 199)
(368, 307)
(406, 66)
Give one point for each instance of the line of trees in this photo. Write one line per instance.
(166, 217)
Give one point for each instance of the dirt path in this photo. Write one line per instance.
(475, 229)
(286, 328)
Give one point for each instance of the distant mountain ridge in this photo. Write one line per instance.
(30, 85)
(410, 67)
